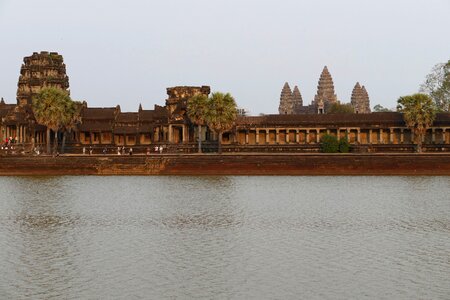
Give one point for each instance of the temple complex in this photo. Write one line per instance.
(292, 102)
(297, 128)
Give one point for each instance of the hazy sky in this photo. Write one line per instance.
(128, 52)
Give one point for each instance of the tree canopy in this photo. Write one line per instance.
(437, 85)
(419, 112)
(221, 114)
(339, 108)
(380, 108)
(219, 111)
(53, 108)
(197, 111)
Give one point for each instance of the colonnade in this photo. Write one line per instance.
(356, 135)
(17, 132)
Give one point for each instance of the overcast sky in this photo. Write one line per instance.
(128, 52)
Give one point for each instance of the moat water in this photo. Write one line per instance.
(224, 237)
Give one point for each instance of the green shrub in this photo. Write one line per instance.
(344, 145)
(329, 144)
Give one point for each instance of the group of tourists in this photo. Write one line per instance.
(8, 144)
(123, 151)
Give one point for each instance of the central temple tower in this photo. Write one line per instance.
(325, 96)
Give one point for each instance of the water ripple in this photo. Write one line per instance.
(225, 237)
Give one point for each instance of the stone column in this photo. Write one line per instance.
(391, 135)
(444, 135)
(370, 136)
(338, 132)
(297, 136)
(433, 135)
(307, 136)
(380, 138)
(277, 136)
(267, 136)
(170, 134)
(185, 134)
(402, 136)
(19, 133)
(317, 136)
(358, 135)
(246, 137)
(287, 136)
(257, 137)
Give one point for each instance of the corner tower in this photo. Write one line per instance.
(286, 106)
(45, 69)
(297, 100)
(360, 100)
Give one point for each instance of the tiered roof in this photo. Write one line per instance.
(384, 119)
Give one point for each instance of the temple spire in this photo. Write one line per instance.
(3, 101)
(360, 99)
(297, 99)
(286, 104)
(325, 92)
(366, 100)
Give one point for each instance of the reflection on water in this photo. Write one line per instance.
(224, 237)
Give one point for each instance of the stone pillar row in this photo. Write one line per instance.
(379, 139)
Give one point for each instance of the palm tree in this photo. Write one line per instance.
(50, 108)
(419, 112)
(221, 114)
(197, 108)
(73, 112)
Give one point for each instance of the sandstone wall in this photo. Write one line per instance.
(250, 164)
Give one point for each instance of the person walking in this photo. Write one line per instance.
(130, 152)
